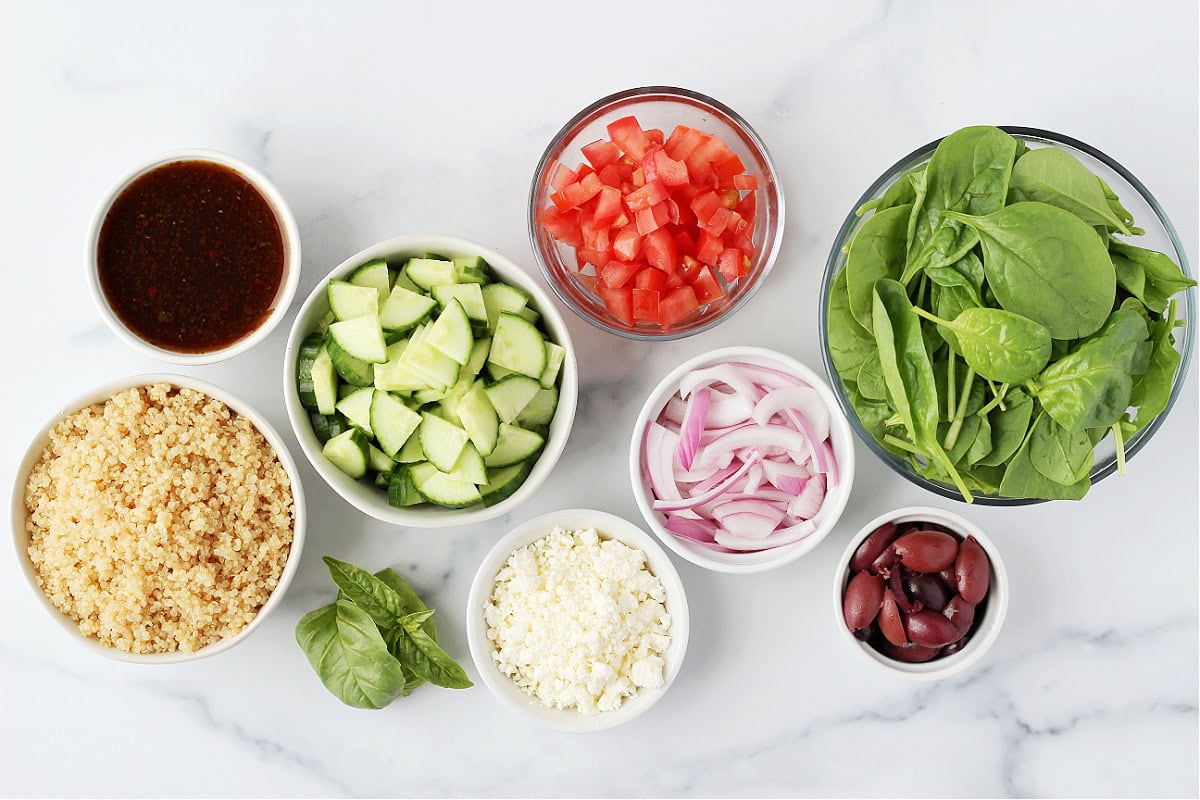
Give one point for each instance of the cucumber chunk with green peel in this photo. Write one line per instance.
(361, 337)
(503, 482)
(375, 275)
(529, 315)
(309, 349)
(469, 467)
(479, 419)
(469, 296)
(404, 309)
(471, 269)
(411, 453)
(437, 487)
(353, 370)
(397, 377)
(348, 452)
(513, 445)
(442, 441)
(555, 355)
(320, 426)
(402, 492)
(405, 282)
(451, 334)
(510, 395)
(338, 424)
(378, 461)
(356, 407)
(430, 272)
(499, 297)
(324, 382)
(518, 345)
(393, 422)
(348, 301)
(498, 373)
(540, 410)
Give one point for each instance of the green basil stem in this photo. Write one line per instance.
(895, 441)
(951, 384)
(957, 421)
(998, 400)
(1119, 440)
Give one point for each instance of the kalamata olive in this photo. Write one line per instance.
(913, 653)
(960, 612)
(949, 578)
(926, 550)
(885, 563)
(896, 588)
(890, 623)
(927, 588)
(873, 545)
(860, 603)
(954, 647)
(972, 571)
(930, 629)
(865, 634)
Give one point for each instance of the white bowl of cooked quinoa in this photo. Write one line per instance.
(158, 518)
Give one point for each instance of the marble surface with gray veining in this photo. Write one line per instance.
(381, 119)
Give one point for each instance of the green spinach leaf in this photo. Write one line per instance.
(1152, 390)
(1022, 479)
(849, 345)
(1009, 426)
(998, 344)
(1062, 456)
(1054, 176)
(350, 656)
(877, 252)
(1162, 277)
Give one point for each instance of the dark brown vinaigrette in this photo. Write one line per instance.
(190, 257)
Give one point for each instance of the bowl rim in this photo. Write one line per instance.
(985, 634)
(665, 93)
(1186, 342)
(100, 394)
(759, 561)
(284, 294)
(609, 526)
(375, 503)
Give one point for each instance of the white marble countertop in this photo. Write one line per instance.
(389, 119)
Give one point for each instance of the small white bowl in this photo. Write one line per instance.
(99, 395)
(372, 500)
(987, 627)
(288, 281)
(505, 690)
(835, 499)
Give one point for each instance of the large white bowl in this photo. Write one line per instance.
(505, 690)
(372, 500)
(835, 500)
(99, 395)
(288, 282)
(987, 626)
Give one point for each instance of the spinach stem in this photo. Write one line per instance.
(934, 319)
(957, 421)
(951, 387)
(998, 400)
(896, 441)
(1119, 440)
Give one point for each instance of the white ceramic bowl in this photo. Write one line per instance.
(505, 690)
(987, 626)
(368, 498)
(287, 283)
(835, 499)
(99, 395)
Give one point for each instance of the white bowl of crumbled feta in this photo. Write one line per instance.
(578, 620)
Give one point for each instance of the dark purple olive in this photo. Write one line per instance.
(896, 587)
(960, 612)
(972, 571)
(930, 629)
(873, 546)
(913, 653)
(890, 623)
(954, 647)
(860, 603)
(926, 550)
(949, 578)
(928, 589)
(885, 563)
(865, 634)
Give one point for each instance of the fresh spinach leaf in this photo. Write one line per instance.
(998, 344)
(1054, 176)
(1009, 426)
(900, 193)
(1162, 276)
(981, 443)
(1121, 213)
(1062, 456)
(350, 656)
(870, 380)
(850, 346)
(1152, 390)
(877, 252)
(1048, 265)
(1022, 479)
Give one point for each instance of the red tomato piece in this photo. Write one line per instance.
(708, 248)
(705, 205)
(562, 225)
(651, 219)
(645, 305)
(627, 243)
(737, 224)
(683, 141)
(588, 282)
(674, 281)
(616, 274)
(730, 198)
(727, 168)
(659, 249)
(689, 269)
(619, 303)
(610, 176)
(655, 136)
(585, 256)
(748, 208)
(628, 135)
(685, 245)
(649, 195)
(717, 222)
(650, 278)
(601, 153)
(671, 172)
(576, 194)
(707, 287)
(676, 305)
(741, 242)
(745, 182)
(562, 176)
(730, 264)
(608, 207)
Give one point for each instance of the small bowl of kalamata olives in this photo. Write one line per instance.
(921, 592)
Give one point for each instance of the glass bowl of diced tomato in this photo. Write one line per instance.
(656, 212)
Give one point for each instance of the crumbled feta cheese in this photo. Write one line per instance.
(578, 621)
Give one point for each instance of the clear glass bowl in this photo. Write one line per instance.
(1160, 235)
(661, 107)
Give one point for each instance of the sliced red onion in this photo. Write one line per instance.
(754, 478)
(706, 496)
(693, 425)
(804, 402)
(749, 526)
(725, 410)
(762, 508)
(720, 373)
(760, 438)
(768, 376)
(673, 411)
(808, 502)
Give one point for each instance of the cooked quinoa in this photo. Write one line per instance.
(159, 520)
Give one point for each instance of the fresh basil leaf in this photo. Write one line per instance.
(385, 605)
(350, 656)
(412, 602)
(426, 659)
(1052, 175)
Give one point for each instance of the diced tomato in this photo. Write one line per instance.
(638, 179)
(742, 242)
(616, 274)
(609, 206)
(730, 198)
(628, 135)
(676, 305)
(745, 182)
(651, 194)
(588, 282)
(659, 249)
(619, 303)
(737, 224)
(689, 269)
(562, 176)
(748, 208)
(730, 264)
(609, 176)
(601, 153)
(627, 243)
(674, 281)
(705, 205)
(655, 136)
(645, 305)
(727, 168)
(717, 222)
(660, 165)
(651, 219)
(706, 286)
(578, 193)
(685, 245)
(562, 225)
(683, 141)
(708, 248)
(585, 255)
(650, 278)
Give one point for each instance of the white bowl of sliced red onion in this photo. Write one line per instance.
(741, 460)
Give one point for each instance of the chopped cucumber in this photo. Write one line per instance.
(362, 338)
(514, 445)
(402, 492)
(411, 452)
(469, 296)
(451, 335)
(503, 482)
(324, 382)
(397, 377)
(471, 269)
(529, 315)
(353, 370)
(405, 282)
(309, 349)
(517, 345)
(437, 487)
(555, 355)
(378, 460)
(375, 275)
(469, 467)
(510, 395)
(442, 441)
(540, 410)
(348, 452)
(356, 407)
(439, 370)
(479, 419)
(498, 373)
(498, 297)
(393, 422)
(430, 272)
(348, 301)
(320, 426)
(404, 309)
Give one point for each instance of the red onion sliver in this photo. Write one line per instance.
(826, 451)
(802, 400)
(693, 425)
(749, 525)
(719, 373)
(760, 438)
(768, 376)
(808, 502)
(706, 496)
(763, 508)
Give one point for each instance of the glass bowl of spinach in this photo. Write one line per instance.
(1007, 316)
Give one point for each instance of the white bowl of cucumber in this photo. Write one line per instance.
(430, 382)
